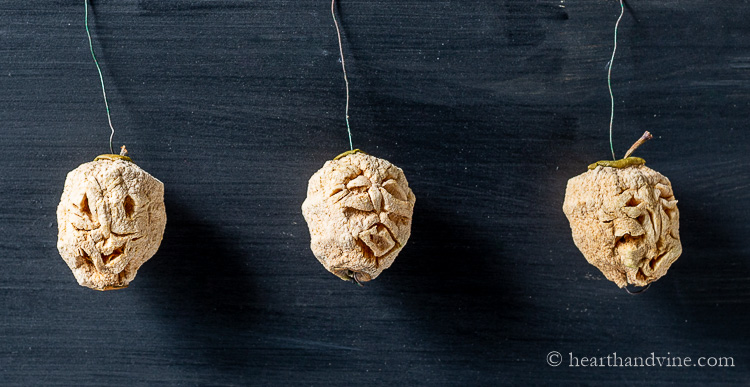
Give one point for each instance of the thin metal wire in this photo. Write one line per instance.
(101, 78)
(639, 291)
(609, 83)
(343, 66)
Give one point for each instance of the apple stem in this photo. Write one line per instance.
(646, 136)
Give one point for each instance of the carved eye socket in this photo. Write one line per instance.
(84, 206)
(129, 206)
(633, 202)
(360, 182)
(392, 187)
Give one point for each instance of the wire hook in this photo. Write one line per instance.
(639, 291)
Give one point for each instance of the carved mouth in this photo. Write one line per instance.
(106, 259)
(377, 241)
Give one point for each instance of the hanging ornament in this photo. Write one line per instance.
(111, 216)
(358, 208)
(624, 215)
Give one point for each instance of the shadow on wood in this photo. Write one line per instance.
(456, 281)
(207, 294)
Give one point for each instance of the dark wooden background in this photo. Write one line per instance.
(489, 107)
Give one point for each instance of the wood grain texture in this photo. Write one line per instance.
(489, 107)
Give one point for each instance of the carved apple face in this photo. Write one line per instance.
(625, 222)
(111, 220)
(359, 210)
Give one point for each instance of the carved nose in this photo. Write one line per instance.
(376, 198)
(105, 230)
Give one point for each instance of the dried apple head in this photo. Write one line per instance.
(625, 222)
(359, 210)
(111, 220)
